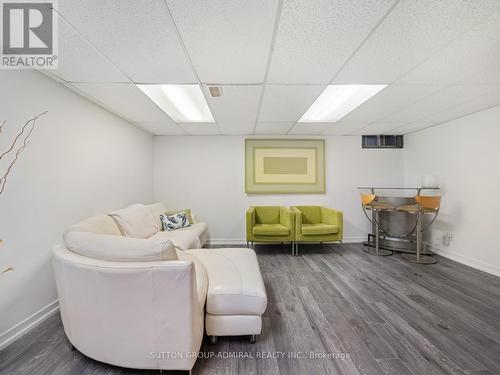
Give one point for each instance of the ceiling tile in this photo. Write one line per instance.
(200, 128)
(228, 41)
(391, 99)
(238, 103)
(409, 128)
(315, 38)
(446, 98)
(138, 36)
(479, 103)
(161, 128)
(344, 128)
(124, 99)
(73, 50)
(236, 128)
(473, 58)
(380, 127)
(287, 102)
(309, 128)
(273, 127)
(411, 33)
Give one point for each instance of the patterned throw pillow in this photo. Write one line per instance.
(175, 221)
(187, 211)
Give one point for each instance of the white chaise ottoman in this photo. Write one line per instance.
(236, 297)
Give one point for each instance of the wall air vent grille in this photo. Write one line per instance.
(382, 141)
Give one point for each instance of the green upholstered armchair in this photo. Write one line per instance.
(270, 224)
(317, 224)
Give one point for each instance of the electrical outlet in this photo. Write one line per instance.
(447, 238)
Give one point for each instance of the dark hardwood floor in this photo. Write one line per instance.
(378, 315)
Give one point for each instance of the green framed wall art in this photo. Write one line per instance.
(284, 166)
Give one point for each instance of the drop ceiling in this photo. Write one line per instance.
(273, 58)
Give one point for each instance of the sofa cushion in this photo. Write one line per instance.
(135, 221)
(270, 230)
(156, 209)
(118, 248)
(201, 275)
(235, 282)
(175, 221)
(319, 229)
(199, 228)
(99, 224)
(267, 214)
(184, 239)
(310, 214)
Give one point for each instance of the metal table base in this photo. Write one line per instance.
(399, 245)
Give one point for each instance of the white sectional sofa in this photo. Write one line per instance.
(142, 303)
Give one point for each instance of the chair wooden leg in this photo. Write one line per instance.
(253, 338)
(213, 340)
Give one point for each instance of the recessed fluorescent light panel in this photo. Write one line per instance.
(336, 101)
(183, 103)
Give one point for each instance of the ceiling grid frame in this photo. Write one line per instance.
(377, 25)
(481, 18)
(269, 58)
(189, 59)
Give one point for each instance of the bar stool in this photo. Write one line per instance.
(424, 205)
(369, 202)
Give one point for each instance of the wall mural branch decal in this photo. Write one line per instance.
(16, 148)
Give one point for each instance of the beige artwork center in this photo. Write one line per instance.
(292, 166)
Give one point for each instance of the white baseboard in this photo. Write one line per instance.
(241, 241)
(471, 262)
(355, 239)
(28, 324)
(226, 241)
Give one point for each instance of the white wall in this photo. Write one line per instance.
(81, 161)
(465, 155)
(206, 173)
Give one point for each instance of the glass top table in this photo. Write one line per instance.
(395, 221)
(418, 189)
